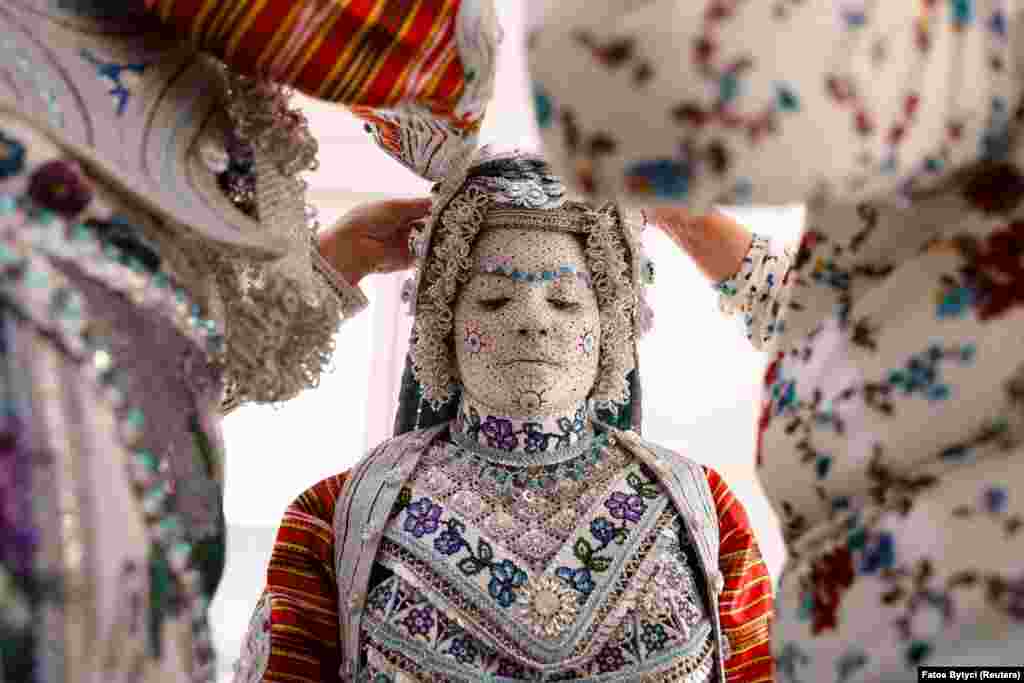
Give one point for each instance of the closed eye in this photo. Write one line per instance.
(564, 304)
(493, 304)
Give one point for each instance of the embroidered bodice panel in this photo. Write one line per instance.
(574, 571)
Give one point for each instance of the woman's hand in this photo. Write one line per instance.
(372, 238)
(715, 242)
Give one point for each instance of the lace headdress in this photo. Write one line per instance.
(517, 190)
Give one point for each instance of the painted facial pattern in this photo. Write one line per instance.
(527, 323)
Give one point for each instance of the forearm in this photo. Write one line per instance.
(716, 243)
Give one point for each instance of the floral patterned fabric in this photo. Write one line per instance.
(890, 436)
(884, 450)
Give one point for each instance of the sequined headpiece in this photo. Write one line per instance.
(517, 190)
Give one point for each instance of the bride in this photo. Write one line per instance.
(518, 529)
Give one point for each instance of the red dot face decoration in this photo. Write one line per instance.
(527, 325)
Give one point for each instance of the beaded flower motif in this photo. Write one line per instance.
(474, 339)
(549, 606)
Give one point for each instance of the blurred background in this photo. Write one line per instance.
(701, 377)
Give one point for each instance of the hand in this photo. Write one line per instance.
(372, 238)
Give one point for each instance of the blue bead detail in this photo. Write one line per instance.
(12, 156)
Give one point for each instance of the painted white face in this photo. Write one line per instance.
(526, 348)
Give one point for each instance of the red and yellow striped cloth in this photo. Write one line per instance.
(366, 53)
(746, 604)
(304, 601)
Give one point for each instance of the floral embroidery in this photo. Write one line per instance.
(996, 269)
(585, 344)
(419, 622)
(831, 576)
(474, 339)
(627, 507)
(921, 373)
(506, 577)
(451, 541)
(422, 517)
(532, 437)
(610, 659)
(464, 650)
(654, 637)
(499, 433)
(120, 77)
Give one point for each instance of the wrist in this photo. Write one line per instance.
(340, 256)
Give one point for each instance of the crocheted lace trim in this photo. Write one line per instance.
(611, 244)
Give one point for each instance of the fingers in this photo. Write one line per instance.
(406, 210)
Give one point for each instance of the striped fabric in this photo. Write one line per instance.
(302, 589)
(746, 603)
(370, 53)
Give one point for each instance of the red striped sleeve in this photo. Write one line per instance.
(746, 603)
(302, 590)
(366, 53)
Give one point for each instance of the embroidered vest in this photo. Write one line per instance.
(368, 500)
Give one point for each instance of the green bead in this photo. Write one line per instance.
(8, 205)
(135, 418)
(80, 233)
(161, 281)
(170, 525)
(8, 256)
(45, 216)
(39, 279)
(147, 459)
